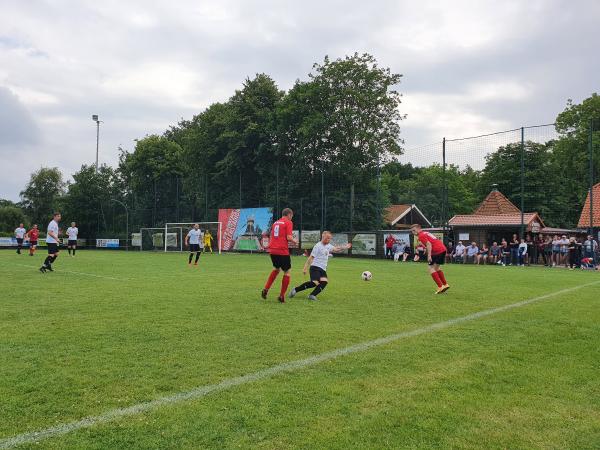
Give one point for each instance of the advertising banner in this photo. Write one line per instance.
(107, 243)
(401, 239)
(309, 238)
(296, 235)
(136, 239)
(437, 234)
(245, 229)
(8, 242)
(364, 244)
(339, 240)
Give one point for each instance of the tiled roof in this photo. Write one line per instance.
(394, 211)
(496, 203)
(584, 220)
(475, 220)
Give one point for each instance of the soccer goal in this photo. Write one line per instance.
(180, 231)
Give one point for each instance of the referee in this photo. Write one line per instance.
(52, 242)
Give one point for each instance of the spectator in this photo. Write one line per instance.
(450, 248)
(548, 251)
(495, 254)
(555, 251)
(531, 250)
(419, 253)
(590, 248)
(564, 250)
(514, 250)
(579, 253)
(459, 253)
(587, 263)
(406, 252)
(472, 252)
(522, 252)
(389, 245)
(572, 253)
(483, 254)
(505, 248)
(396, 251)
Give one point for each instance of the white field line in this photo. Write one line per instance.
(291, 366)
(78, 273)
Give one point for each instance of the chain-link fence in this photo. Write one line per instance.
(547, 177)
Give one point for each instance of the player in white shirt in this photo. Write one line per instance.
(20, 235)
(72, 233)
(318, 259)
(52, 243)
(193, 238)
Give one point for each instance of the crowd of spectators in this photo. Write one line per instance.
(551, 251)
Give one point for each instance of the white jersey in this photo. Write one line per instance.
(52, 226)
(72, 233)
(20, 233)
(194, 236)
(321, 253)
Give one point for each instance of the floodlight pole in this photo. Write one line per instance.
(95, 119)
(591, 157)
(126, 220)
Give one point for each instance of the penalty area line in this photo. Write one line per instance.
(286, 367)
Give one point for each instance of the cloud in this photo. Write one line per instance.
(17, 127)
(469, 67)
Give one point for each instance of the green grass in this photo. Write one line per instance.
(73, 345)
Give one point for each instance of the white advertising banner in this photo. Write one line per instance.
(107, 243)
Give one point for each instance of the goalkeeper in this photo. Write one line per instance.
(208, 239)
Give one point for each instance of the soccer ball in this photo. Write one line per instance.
(366, 275)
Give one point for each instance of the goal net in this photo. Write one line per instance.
(176, 233)
(155, 239)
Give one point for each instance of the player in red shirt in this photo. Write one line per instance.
(33, 236)
(281, 236)
(436, 256)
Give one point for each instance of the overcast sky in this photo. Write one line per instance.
(470, 67)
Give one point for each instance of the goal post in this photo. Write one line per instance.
(180, 230)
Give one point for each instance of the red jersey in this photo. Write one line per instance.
(33, 234)
(437, 246)
(278, 244)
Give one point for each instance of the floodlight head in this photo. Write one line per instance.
(95, 117)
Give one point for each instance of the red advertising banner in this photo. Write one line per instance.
(229, 220)
(245, 229)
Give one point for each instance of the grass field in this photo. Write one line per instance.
(110, 330)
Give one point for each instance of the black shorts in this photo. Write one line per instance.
(283, 262)
(316, 273)
(52, 248)
(20, 241)
(72, 243)
(33, 243)
(438, 259)
(194, 248)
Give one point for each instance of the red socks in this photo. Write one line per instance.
(436, 278)
(284, 285)
(442, 277)
(271, 279)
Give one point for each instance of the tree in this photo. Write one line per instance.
(425, 186)
(571, 156)
(343, 121)
(503, 168)
(89, 201)
(10, 217)
(152, 176)
(42, 195)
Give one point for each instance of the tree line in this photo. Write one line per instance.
(336, 133)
